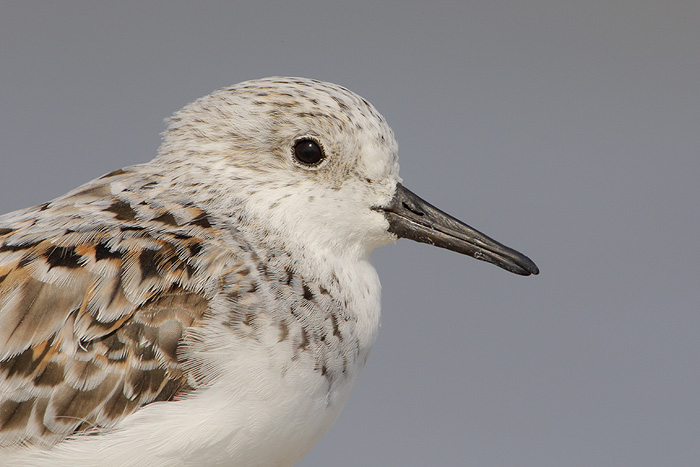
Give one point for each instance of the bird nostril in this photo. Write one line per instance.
(412, 209)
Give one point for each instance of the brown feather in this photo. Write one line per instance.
(91, 322)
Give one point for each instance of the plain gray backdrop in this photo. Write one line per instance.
(569, 130)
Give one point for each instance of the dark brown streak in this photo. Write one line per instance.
(63, 257)
(147, 262)
(167, 218)
(102, 251)
(308, 294)
(336, 329)
(202, 220)
(123, 211)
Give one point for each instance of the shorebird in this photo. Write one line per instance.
(213, 306)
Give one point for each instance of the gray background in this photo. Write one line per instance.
(567, 130)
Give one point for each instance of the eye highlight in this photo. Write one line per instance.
(308, 152)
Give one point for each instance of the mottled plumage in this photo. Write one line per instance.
(213, 306)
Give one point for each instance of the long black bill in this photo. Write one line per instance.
(412, 217)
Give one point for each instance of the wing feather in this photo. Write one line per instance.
(93, 312)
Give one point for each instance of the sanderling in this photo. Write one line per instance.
(213, 306)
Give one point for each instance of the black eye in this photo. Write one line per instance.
(308, 152)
